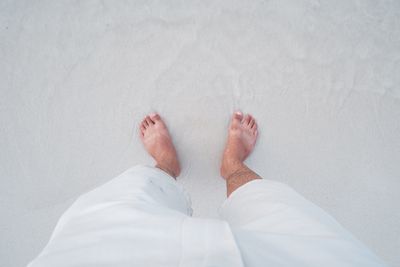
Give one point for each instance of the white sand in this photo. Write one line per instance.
(323, 79)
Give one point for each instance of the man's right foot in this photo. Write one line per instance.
(158, 143)
(242, 136)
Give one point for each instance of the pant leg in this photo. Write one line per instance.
(140, 218)
(275, 226)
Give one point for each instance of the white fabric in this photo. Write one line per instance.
(275, 226)
(142, 218)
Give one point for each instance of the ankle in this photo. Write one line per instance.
(240, 177)
(230, 166)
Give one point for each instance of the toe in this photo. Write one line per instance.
(247, 119)
(141, 132)
(252, 122)
(254, 127)
(236, 118)
(155, 117)
(142, 129)
(145, 124)
(149, 121)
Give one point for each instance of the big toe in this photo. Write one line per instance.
(155, 117)
(237, 118)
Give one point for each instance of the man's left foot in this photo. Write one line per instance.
(158, 143)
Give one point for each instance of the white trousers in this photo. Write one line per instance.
(143, 218)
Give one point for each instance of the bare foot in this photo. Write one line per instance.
(158, 143)
(242, 136)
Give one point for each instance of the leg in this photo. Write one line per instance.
(129, 220)
(140, 218)
(242, 137)
(274, 225)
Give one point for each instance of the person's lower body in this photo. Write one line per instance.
(142, 218)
